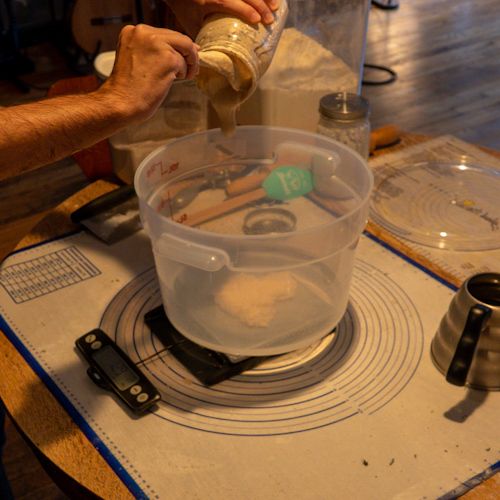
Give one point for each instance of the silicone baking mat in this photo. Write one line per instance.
(361, 414)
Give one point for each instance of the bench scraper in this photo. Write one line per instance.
(112, 216)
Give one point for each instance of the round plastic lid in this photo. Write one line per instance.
(444, 205)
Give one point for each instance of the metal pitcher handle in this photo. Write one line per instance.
(464, 353)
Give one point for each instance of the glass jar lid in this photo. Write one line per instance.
(344, 106)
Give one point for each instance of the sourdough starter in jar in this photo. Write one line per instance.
(233, 57)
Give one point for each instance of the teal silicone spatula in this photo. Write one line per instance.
(283, 183)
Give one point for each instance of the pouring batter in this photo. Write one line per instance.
(233, 56)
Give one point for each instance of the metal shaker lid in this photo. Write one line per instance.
(344, 106)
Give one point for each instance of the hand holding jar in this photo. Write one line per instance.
(192, 13)
(234, 55)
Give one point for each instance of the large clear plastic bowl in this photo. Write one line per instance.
(194, 264)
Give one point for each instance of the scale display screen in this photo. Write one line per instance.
(110, 362)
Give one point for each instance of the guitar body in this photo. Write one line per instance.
(96, 24)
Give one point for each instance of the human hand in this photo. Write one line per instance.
(191, 13)
(148, 60)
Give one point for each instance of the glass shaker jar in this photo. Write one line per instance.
(345, 117)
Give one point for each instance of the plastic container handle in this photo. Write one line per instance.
(191, 254)
(466, 347)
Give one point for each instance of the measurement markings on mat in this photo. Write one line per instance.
(43, 275)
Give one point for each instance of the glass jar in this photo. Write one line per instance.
(345, 118)
(233, 57)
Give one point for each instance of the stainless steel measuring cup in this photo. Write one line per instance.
(466, 346)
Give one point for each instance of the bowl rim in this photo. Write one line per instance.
(193, 231)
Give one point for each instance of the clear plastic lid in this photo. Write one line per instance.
(444, 205)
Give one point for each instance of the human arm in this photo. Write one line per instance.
(190, 14)
(148, 61)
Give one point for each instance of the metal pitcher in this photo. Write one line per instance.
(466, 346)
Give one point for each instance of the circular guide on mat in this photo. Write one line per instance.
(443, 205)
(359, 369)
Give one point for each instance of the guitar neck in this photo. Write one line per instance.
(96, 24)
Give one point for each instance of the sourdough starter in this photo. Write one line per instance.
(233, 57)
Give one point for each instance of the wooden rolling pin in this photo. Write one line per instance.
(384, 136)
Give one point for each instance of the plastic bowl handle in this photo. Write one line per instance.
(192, 254)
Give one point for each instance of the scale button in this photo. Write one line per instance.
(135, 389)
(96, 345)
(90, 338)
(142, 397)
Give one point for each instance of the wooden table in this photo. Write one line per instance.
(45, 423)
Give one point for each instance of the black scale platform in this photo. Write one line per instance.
(208, 366)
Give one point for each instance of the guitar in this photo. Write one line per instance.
(96, 24)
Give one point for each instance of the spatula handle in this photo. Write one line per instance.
(222, 208)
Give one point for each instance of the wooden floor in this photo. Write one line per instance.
(446, 55)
